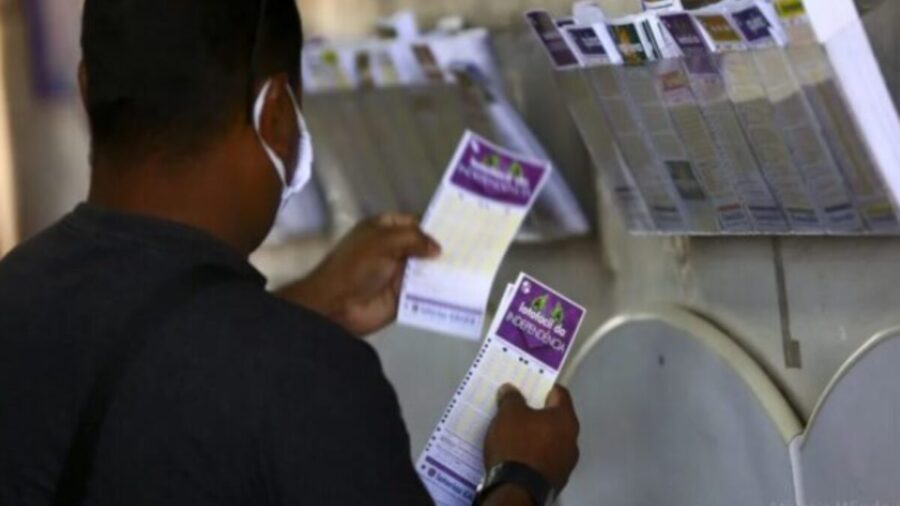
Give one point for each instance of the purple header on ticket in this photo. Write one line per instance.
(753, 24)
(487, 171)
(682, 28)
(545, 28)
(541, 322)
(588, 41)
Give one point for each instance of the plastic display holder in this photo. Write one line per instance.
(797, 120)
(811, 56)
(747, 92)
(340, 113)
(337, 190)
(665, 207)
(711, 91)
(436, 108)
(643, 54)
(673, 412)
(614, 174)
(688, 121)
(391, 125)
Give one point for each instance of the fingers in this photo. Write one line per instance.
(561, 400)
(396, 220)
(410, 241)
(403, 237)
(509, 398)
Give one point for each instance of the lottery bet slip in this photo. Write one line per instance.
(530, 338)
(484, 197)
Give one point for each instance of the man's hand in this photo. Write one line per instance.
(546, 440)
(358, 284)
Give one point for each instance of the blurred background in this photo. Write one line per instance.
(798, 307)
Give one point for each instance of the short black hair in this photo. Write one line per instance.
(165, 77)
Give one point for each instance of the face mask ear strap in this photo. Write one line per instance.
(303, 172)
(258, 107)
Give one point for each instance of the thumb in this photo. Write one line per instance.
(509, 397)
(559, 397)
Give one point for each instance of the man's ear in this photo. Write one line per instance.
(83, 82)
(278, 122)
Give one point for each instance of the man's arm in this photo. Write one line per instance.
(358, 286)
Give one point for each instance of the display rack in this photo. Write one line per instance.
(748, 117)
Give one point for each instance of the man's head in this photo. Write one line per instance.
(169, 87)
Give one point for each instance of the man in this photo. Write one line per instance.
(142, 361)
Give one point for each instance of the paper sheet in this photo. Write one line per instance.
(485, 195)
(845, 130)
(529, 341)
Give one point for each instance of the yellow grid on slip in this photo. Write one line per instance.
(477, 406)
(473, 234)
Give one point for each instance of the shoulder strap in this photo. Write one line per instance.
(132, 338)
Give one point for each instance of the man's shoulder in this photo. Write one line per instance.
(244, 322)
(33, 251)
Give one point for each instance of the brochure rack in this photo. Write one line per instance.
(746, 117)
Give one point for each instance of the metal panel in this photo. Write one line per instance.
(673, 412)
(851, 452)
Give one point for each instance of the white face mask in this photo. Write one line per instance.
(303, 170)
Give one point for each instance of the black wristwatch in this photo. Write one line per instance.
(520, 475)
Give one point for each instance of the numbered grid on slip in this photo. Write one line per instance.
(473, 235)
(477, 404)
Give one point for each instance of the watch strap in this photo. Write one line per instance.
(520, 475)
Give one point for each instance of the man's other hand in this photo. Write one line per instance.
(358, 284)
(546, 439)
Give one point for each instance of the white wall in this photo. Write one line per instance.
(9, 227)
(49, 137)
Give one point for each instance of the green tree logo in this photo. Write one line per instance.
(492, 160)
(558, 314)
(540, 303)
(516, 170)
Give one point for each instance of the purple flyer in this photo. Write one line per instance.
(548, 32)
(541, 322)
(753, 24)
(494, 173)
(684, 31)
(587, 41)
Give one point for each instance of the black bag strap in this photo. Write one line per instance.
(132, 338)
